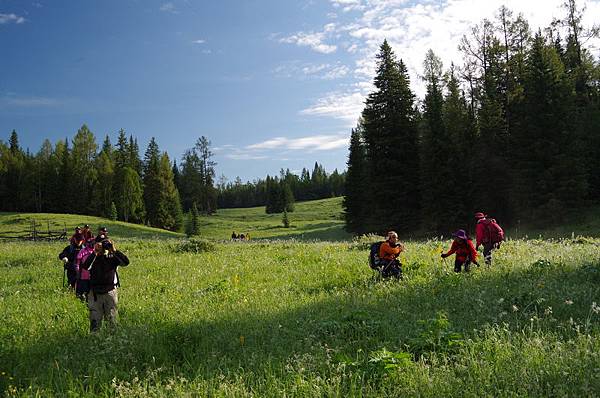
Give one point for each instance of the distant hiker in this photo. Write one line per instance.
(489, 235)
(82, 287)
(464, 249)
(234, 236)
(388, 256)
(87, 233)
(77, 238)
(242, 237)
(68, 256)
(104, 280)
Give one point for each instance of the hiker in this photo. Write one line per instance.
(87, 233)
(234, 236)
(104, 280)
(488, 234)
(464, 249)
(68, 256)
(82, 287)
(77, 238)
(102, 234)
(388, 256)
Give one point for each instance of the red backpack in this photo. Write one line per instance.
(494, 232)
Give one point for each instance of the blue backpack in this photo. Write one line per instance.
(374, 260)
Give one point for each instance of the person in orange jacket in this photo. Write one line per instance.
(388, 255)
(464, 249)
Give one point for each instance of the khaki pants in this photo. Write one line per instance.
(102, 306)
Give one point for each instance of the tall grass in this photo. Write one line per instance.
(288, 318)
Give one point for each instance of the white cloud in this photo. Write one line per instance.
(326, 71)
(169, 7)
(342, 105)
(199, 41)
(314, 40)
(11, 18)
(311, 143)
(412, 28)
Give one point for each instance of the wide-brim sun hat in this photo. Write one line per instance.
(479, 215)
(461, 234)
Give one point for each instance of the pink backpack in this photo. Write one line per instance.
(84, 274)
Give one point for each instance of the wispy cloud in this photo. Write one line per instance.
(311, 143)
(169, 7)
(341, 105)
(28, 102)
(11, 18)
(199, 41)
(279, 148)
(325, 71)
(313, 40)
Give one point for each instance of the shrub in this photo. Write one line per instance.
(195, 246)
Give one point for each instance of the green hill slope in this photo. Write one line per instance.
(317, 219)
(21, 223)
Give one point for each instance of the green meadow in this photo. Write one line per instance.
(298, 313)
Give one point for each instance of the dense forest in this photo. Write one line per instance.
(77, 176)
(285, 188)
(514, 132)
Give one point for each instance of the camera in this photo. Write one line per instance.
(107, 245)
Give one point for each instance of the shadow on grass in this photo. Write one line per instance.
(373, 314)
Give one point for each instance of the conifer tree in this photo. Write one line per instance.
(391, 139)
(169, 213)
(355, 202)
(438, 174)
(152, 183)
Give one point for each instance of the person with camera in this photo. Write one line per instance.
(102, 297)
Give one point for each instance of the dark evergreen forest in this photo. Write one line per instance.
(514, 131)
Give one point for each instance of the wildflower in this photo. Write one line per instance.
(500, 301)
(515, 308)
(548, 311)
(595, 308)
(569, 302)
(242, 340)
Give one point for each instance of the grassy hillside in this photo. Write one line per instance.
(21, 223)
(318, 219)
(307, 319)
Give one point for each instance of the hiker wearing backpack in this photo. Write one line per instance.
(68, 256)
(489, 235)
(104, 280)
(82, 287)
(388, 253)
(465, 252)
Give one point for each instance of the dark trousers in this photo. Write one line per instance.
(71, 275)
(487, 251)
(391, 269)
(459, 263)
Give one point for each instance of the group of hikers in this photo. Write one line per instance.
(90, 265)
(384, 256)
(91, 262)
(238, 237)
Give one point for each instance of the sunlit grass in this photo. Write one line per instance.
(273, 318)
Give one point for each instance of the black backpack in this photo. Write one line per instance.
(374, 261)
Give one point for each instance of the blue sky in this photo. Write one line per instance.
(271, 83)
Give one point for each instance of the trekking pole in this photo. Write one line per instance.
(64, 273)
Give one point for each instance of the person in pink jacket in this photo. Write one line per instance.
(82, 286)
(488, 234)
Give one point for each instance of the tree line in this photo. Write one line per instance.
(113, 181)
(278, 193)
(110, 181)
(514, 131)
